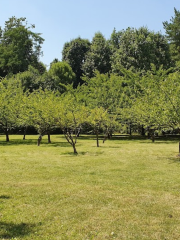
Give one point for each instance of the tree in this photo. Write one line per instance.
(74, 53)
(152, 107)
(19, 46)
(59, 74)
(172, 29)
(98, 57)
(104, 94)
(31, 79)
(170, 92)
(71, 115)
(98, 119)
(137, 49)
(11, 95)
(41, 112)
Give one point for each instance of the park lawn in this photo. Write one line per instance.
(125, 189)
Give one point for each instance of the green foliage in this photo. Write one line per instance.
(31, 79)
(19, 46)
(74, 53)
(71, 115)
(103, 91)
(41, 110)
(58, 75)
(157, 104)
(11, 95)
(98, 57)
(172, 29)
(137, 49)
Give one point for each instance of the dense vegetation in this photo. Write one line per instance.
(130, 81)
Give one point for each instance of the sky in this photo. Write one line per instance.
(60, 21)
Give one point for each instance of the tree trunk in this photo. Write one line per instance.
(152, 137)
(127, 130)
(179, 148)
(25, 130)
(97, 138)
(74, 148)
(130, 129)
(7, 135)
(49, 137)
(105, 137)
(39, 140)
(109, 135)
(142, 131)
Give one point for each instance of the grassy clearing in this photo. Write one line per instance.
(126, 189)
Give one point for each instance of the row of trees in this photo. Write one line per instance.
(129, 81)
(45, 110)
(104, 104)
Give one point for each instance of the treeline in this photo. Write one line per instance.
(103, 104)
(128, 81)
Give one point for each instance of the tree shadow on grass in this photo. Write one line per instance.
(175, 159)
(15, 142)
(160, 141)
(58, 144)
(33, 142)
(4, 197)
(11, 230)
(81, 153)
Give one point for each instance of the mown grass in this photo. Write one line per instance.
(125, 189)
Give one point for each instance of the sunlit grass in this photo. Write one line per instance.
(125, 189)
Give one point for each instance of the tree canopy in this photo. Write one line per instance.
(172, 29)
(19, 46)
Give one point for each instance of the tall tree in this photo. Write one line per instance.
(137, 49)
(74, 53)
(172, 29)
(98, 57)
(19, 46)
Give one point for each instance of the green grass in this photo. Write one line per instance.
(125, 189)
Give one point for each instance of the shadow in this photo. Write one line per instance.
(88, 137)
(18, 142)
(143, 139)
(175, 159)
(12, 230)
(44, 142)
(4, 197)
(58, 144)
(161, 139)
(70, 154)
(82, 153)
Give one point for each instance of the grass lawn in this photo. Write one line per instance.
(125, 189)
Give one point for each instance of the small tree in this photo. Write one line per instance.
(11, 95)
(41, 112)
(98, 119)
(71, 115)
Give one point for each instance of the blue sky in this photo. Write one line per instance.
(60, 21)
